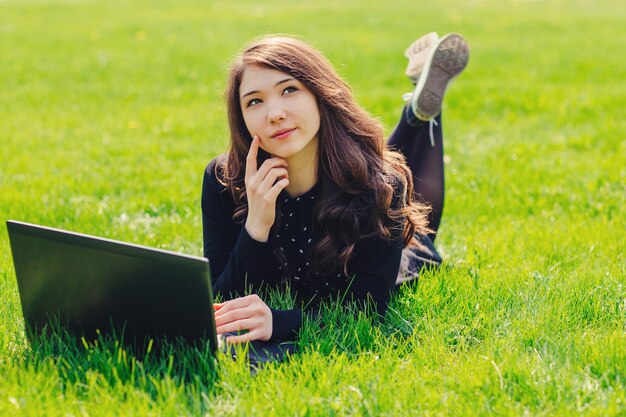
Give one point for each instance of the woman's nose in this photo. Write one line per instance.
(276, 114)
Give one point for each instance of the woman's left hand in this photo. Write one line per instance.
(245, 313)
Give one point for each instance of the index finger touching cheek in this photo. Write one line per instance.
(251, 160)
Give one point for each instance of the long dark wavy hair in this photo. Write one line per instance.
(366, 189)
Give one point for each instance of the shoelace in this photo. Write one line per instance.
(432, 122)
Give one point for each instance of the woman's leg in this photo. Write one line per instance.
(433, 62)
(412, 137)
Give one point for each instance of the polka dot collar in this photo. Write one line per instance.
(307, 196)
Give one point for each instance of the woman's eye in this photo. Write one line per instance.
(290, 89)
(253, 102)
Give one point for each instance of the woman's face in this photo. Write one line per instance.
(280, 110)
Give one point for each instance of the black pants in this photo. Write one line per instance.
(415, 139)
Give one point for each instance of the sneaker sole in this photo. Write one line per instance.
(449, 59)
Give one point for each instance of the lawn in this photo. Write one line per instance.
(109, 112)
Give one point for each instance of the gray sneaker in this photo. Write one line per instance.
(418, 53)
(447, 60)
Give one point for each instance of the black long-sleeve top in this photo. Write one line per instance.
(239, 263)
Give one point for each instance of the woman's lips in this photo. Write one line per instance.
(281, 134)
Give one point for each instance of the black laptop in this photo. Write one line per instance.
(89, 285)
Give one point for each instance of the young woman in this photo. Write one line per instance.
(310, 197)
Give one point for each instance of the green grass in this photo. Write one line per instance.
(109, 112)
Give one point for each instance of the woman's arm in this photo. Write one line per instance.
(236, 260)
(238, 263)
(245, 261)
(375, 269)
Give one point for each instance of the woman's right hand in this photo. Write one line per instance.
(262, 189)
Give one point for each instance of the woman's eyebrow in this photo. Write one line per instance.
(275, 85)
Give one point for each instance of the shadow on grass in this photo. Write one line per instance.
(108, 360)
